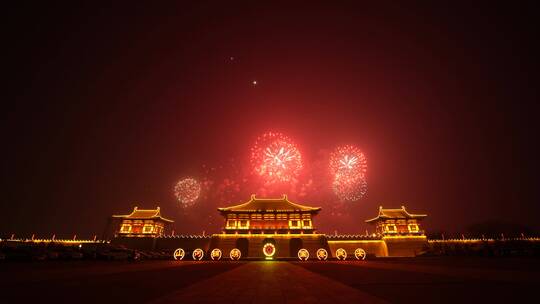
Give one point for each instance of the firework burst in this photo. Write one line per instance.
(348, 161)
(187, 191)
(349, 189)
(276, 158)
(348, 167)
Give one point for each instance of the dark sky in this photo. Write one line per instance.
(106, 107)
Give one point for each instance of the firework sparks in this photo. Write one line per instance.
(348, 161)
(187, 191)
(276, 158)
(348, 166)
(349, 189)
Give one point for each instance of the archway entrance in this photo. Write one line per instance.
(295, 244)
(243, 245)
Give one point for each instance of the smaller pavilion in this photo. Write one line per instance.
(141, 223)
(397, 222)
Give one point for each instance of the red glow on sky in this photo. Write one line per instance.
(111, 112)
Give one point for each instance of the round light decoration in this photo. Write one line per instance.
(303, 254)
(235, 254)
(198, 254)
(215, 254)
(360, 254)
(341, 254)
(179, 254)
(322, 254)
(269, 250)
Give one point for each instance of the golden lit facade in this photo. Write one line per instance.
(141, 223)
(269, 216)
(273, 229)
(396, 222)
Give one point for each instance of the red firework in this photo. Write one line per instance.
(348, 161)
(276, 158)
(348, 166)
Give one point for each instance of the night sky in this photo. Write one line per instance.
(106, 107)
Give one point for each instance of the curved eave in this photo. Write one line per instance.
(231, 209)
(166, 220)
(296, 207)
(127, 217)
(372, 220)
(383, 217)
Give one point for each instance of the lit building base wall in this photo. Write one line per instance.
(286, 245)
(188, 243)
(251, 246)
(372, 247)
(141, 243)
(405, 246)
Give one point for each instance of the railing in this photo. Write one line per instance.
(182, 236)
(353, 237)
(64, 241)
(466, 240)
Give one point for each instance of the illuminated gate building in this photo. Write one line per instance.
(273, 228)
(397, 222)
(269, 216)
(268, 228)
(140, 223)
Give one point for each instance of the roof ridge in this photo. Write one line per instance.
(140, 213)
(254, 199)
(299, 205)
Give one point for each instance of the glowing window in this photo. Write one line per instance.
(231, 224)
(281, 216)
(294, 224)
(391, 228)
(306, 223)
(148, 229)
(413, 228)
(125, 228)
(306, 216)
(243, 216)
(243, 224)
(269, 217)
(231, 216)
(294, 216)
(256, 216)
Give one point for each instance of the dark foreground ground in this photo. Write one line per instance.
(420, 280)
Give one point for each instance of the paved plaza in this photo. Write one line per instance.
(420, 280)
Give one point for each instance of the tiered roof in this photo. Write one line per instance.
(144, 214)
(401, 213)
(269, 205)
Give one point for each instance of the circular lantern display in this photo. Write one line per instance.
(303, 254)
(198, 254)
(322, 254)
(215, 254)
(269, 250)
(341, 254)
(235, 254)
(179, 254)
(360, 254)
